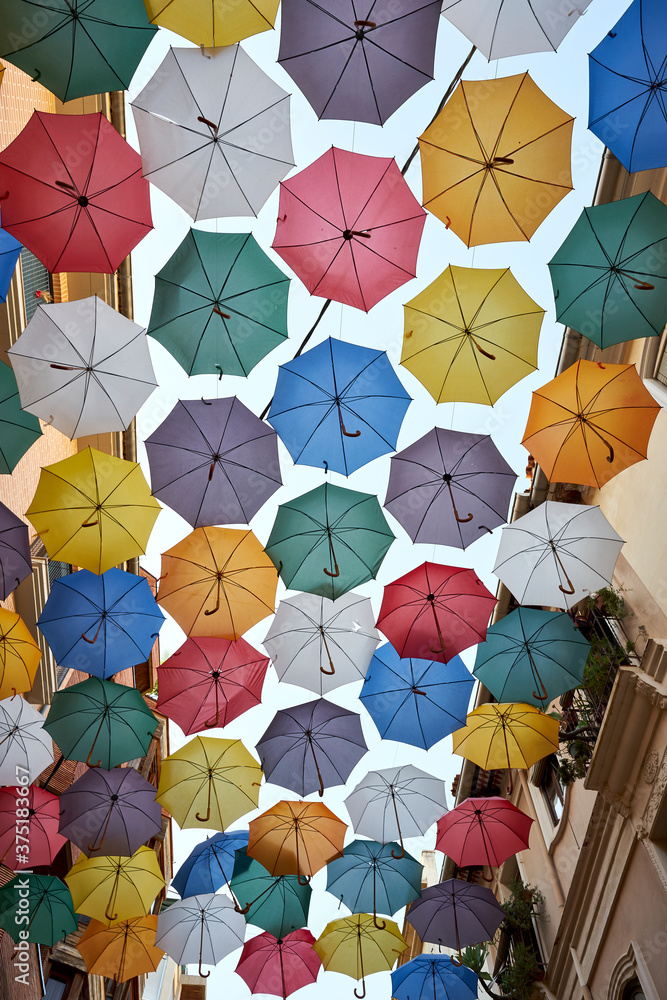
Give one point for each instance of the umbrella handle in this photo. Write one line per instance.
(566, 590)
(202, 974)
(326, 646)
(441, 647)
(381, 924)
(329, 573)
(455, 961)
(240, 909)
(215, 723)
(90, 524)
(203, 819)
(204, 121)
(220, 313)
(303, 879)
(349, 434)
(94, 639)
(360, 996)
(545, 695)
(110, 916)
(89, 761)
(498, 160)
(365, 24)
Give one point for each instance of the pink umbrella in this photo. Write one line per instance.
(28, 827)
(279, 967)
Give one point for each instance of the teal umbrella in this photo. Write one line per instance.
(40, 905)
(329, 540)
(278, 904)
(18, 430)
(374, 878)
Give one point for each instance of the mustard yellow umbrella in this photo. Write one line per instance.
(115, 888)
(19, 655)
(93, 510)
(357, 946)
(123, 950)
(471, 334)
(506, 735)
(213, 22)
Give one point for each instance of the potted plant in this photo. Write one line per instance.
(520, 974)
(521, 904)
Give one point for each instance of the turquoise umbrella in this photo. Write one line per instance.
(372, 877)
(276, 903)
(40, 905)
(18, 430)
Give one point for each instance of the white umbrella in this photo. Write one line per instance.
(557, 554)
(321, 644)
(83, 367)
(214, 131)
(25, 748)
(514, 27)
(200, 929)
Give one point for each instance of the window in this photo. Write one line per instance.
(552, 789)
(633, 991)
(56, 988)
(35, 278)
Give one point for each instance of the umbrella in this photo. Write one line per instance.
(201, 928)
(321, 644)
(110, 812)
(338, 405)
(483, 832)
(19, 654)
(449, 486)
(209, 865)
(505, 28)
(37, 908)
(213, 461)
(15, 564)
(100, 624)
(277, 903)
(311, 746)
(496, 160)
(208, 682)
(433, 977)
(19, 430)
(82, 367)
(506, 736)
(626, 107)
(590, 423)
(557, 554)
(329, 540)
(358, 62)
(296, 838)
(532, 656)
(356, 947)
(374, 877)
(610, 273)
(28, 826)
(25, 747)
(218, 582)
(471, 334)
(435, 611)
(100, 719)
(10, 250)
(279, 967)
(206, 22)
(123, 950)
(220, 304)
(214, 132)
(209, 781)
(76, 213)
(415, 701)
(76, 48)
(115, 888)
(455, 914)
(91, 490)
(349, 226)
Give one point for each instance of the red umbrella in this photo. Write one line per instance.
(350, 227)
(28, 827)
(209, 681)
(483, 832)
(75, 195)
(279, 967)
(434, 611)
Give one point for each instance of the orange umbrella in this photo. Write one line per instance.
(123, 950)
(296, 838)
(590, 423)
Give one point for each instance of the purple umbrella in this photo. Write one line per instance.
(456, 914)
(449, 488)
(15, 562)
(110, 812)
(311, 746)
(213, 461)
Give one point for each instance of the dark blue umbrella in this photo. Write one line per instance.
(416, 701)
(210, 864)
(338, 405)
(9, 254)
(372, 877)
(15, 562)
(433, 977)
(101, 624)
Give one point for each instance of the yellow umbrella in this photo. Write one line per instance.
(356, 947)
(123, 950)
(19, 655)
(213, 22)
(209, 781)
(471, 335)
(506, 735)
(115, 888)
(496, 160)
(93, 510)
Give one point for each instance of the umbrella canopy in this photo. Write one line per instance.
(220, 304)
(349, 226)
(206, 22)
(277, 903)
(39, 840)
(483, 832)
(455, 914)
(357, 947)
(46, 902)
(19, 654)
(93, 510)
(311, 746)
(213, 461)
(209, 865)
(506, 28)
(338, 405)
(10, 250)
(449, 486)
(557, 554)
(25, 747)
(214, 132)
(506, 736)
(434, 611)
(279, 967)
(100, 624)
(15, 564)
(123, 950)
(201, 928)
(433, 977)
(19, 430)
(374, 877)
(114, 888)
(396, 803)
(321, 644)
(358, 62)
(496, 160)
(329, 540)
(415, 701)
(81, 213)
(471, 334)
(296, 838)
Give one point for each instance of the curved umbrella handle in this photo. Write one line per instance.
(349, 434)
(545, 695)
(206, 121)
(360, 996)
(381, 925)
(397, 857)
(644, 286)
(89, 761)
(365, 24)
(201, 973)
(329, 573)
(328, 672)
(441, 647)
(215, 723)
(240, 909)
(455, 961)
(303, 879)
(110, 916)
(220, 313)
(566, 590)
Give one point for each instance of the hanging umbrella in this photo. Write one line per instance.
(47, 905)
(471, 335)
(201, 928)
(91, 490)
(10, 250)
(217, 582)
(100, 624)
(349, 226)
(115, 888)
(496, 160)
(214, 132)
(296, 838)
(123, 950)
(208, 682)
(557, 554)
(433, 977)
(434, 611)
(213, 461)
(279, 967)
(415, 701)
(456, 914)
(76, 213)
(532, 656)
(505, 28)
(15, 564)
(19, 430)
(321, 644)
(329, 540)
(374, 877)
(38, 841)
(356, 947)
(209, 781)
(277, 903)
(209, 865)
(102, 721)
(626, 108)
(25, 747)
(483, 832)
(338, 405)
(207, 22)
(506, 736)
(311, 746)
(19, 654)
(449, 486)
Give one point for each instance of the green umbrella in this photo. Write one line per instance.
(40, 905)
(278, 904)
(329, 540)
(18, 430)
(220, 304)
(100, 719)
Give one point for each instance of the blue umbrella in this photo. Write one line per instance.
(433, 977)
(101, 624)
(278, 904)
(209, 865)
(416, 701)
(338, 405)
(372, 878)
(9, 254)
